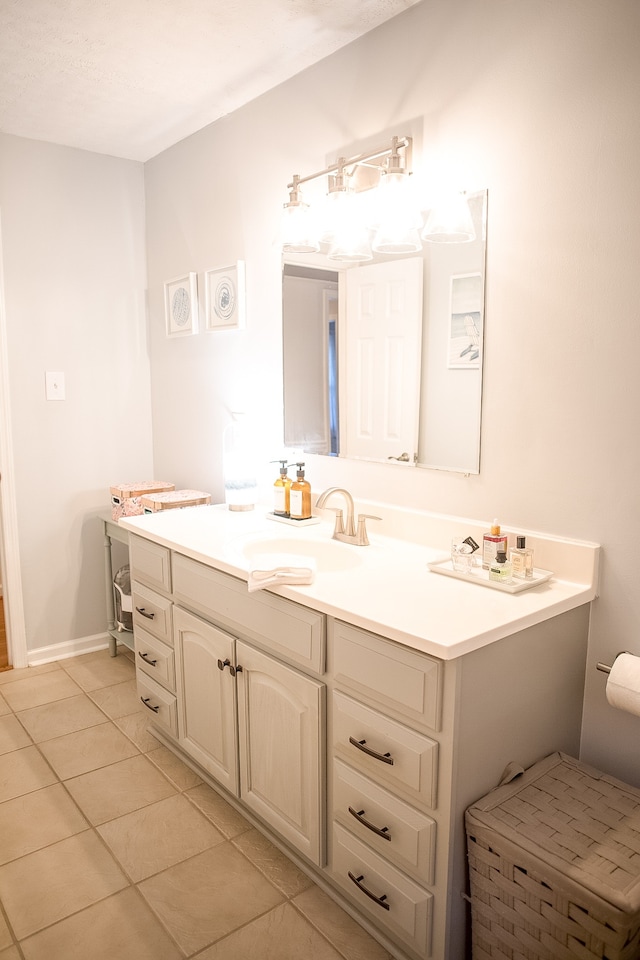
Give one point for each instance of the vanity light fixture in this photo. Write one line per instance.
(370, 207)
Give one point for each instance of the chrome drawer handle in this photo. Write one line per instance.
(143, 613)
(361, 745)
(381, 831)
(150, 706)
(147, 659)
(372, 896)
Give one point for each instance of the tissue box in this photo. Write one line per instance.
(176, 498)
(554, 866)
(126, 498)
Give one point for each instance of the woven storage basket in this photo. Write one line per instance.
(554, 864)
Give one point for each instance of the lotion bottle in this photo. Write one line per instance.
(300, 496)
(281, 491)
(491, 543)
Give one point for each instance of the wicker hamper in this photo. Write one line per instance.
(554, 865)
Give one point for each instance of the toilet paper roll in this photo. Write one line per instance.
(623, 684)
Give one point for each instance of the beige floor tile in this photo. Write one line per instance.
(22, 772)
(10, 676)
(273, 863)
(4, 707)
(85, 750)
(36, 820)
(11, 953)
(42, 688)
(282, 934)
(121, 927)
(118, 789)
(53, 883)
(177, 771)
(205, 898)
(99, 670)
(57, 719)
(136, 727)
(225, 817)
(5, 934)
(159, 836)
(347, 936)
(118, 700)
(12, 735)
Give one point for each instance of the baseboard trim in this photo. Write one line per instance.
(71, 648)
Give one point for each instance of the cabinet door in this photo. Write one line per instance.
(206, 696)
(281, 731)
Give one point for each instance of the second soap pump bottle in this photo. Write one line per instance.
(281, 491)
(300, 497)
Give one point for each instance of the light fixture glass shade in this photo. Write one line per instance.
(450, 221)
(348, 233)
(298, 230)
(395, 216)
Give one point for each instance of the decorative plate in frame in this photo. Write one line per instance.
(181, 305)
(224, 290)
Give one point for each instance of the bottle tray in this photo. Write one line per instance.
(482, 577)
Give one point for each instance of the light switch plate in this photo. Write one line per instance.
(54, 385)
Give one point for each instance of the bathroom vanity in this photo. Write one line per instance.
(353, 720)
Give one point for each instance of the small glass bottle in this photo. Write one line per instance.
(492, 541)
(500, 569)
(521, 557)
(300, 496)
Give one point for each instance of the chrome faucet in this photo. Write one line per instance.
(346, 532)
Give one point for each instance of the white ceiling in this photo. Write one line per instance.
(130, 78)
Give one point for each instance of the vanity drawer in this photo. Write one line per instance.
(150, 562)
(160, 702)
(406, 684)
(402, 907)
(155, 658)
(292, 632)
(386, 750)
(152, 613)
(367, 810)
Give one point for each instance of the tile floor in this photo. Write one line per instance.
(112, 849)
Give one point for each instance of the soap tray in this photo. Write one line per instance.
(293, 523)
(482, 577)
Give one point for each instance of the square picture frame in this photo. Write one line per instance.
(181, 305)
(225, 297)
(465, 322)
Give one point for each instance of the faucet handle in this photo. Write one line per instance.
(339, 524)
(362, 538)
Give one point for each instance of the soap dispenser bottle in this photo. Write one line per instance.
(282, 491)
(300, 496)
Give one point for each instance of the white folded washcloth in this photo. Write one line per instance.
(277, 568)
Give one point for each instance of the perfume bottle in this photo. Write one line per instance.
(491, 543)
(500, 569)
(521, 557)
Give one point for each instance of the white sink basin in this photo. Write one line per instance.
(329, 555)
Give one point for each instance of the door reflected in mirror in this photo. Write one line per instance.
(383, 361)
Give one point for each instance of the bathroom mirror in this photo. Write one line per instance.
(420, 404)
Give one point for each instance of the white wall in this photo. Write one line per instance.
(537, 101)
(74, 271)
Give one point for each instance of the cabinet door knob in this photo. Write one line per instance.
(224, 663)
(149, 705)
(147, 659)
(234, 670)
(380, 831)
(361, 745)
(358, 882)
(143, 613)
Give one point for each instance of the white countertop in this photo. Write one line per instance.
(387, 586)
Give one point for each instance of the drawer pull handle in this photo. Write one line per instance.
(381, 901)
(381, 831)
(224, 663)
(147, 659)
(143, 613)
(150, 706)
(361, 745)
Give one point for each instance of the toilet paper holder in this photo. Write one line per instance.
(605, 668)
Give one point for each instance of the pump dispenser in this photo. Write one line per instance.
(300, 497)
(281, 491)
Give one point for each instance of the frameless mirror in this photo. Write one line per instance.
(383, 361)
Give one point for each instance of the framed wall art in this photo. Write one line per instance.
(181, 305)
(224, 290)
(465, 322)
